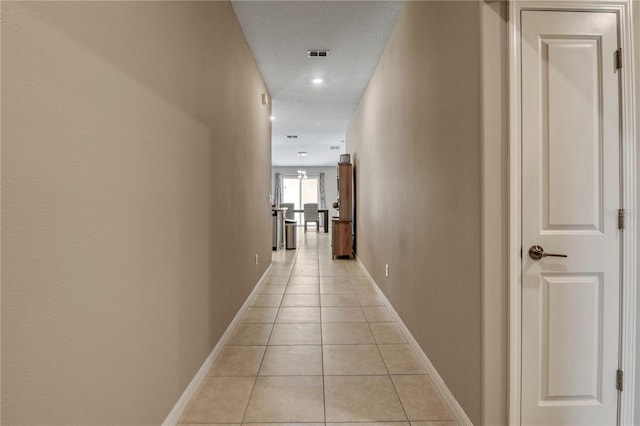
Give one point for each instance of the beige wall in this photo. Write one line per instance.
(135, 184)
(636, 40)
(416, 141)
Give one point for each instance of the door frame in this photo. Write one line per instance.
(629, 170)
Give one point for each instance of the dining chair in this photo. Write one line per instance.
(311, 215)
(289, 214)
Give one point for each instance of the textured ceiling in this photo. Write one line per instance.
(280, 33)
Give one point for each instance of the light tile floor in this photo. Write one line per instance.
(317, 346)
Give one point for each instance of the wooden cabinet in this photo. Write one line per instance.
(345, 172)
(341, 237)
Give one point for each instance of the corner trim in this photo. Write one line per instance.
(190, 391)
(515, 215)
(439, 384)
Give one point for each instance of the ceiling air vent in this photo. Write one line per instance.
(317, 53)
(292, 137)
(334, 147)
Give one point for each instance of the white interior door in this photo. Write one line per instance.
(570, 199)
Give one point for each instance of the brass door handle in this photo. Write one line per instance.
(537, 253)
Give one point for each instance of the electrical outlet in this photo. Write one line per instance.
(256, 259)
(386, 270)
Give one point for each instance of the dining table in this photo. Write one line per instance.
(325, 216)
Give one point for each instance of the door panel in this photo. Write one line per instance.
(573, 345)
(570, 193)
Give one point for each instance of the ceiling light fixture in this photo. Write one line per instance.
(302, 174)
(273, 117)
(317, 80)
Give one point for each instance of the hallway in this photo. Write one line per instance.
(140, 142)
(317, 345)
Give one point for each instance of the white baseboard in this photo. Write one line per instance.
(175, 414)
(441, 387)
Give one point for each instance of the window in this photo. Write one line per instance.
(299, 192)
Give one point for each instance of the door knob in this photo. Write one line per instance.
(537, 253)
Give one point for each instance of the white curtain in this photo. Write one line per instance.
(277, 191)
(323, 201)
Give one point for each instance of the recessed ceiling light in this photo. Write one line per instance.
(273, 117)
(317, 81)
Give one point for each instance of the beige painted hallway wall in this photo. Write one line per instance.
(635, 4)
(135, 183)
(429, 140)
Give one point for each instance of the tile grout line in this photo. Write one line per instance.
(255, 380)
(324, 385)
(320, 324)
(388, 372)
